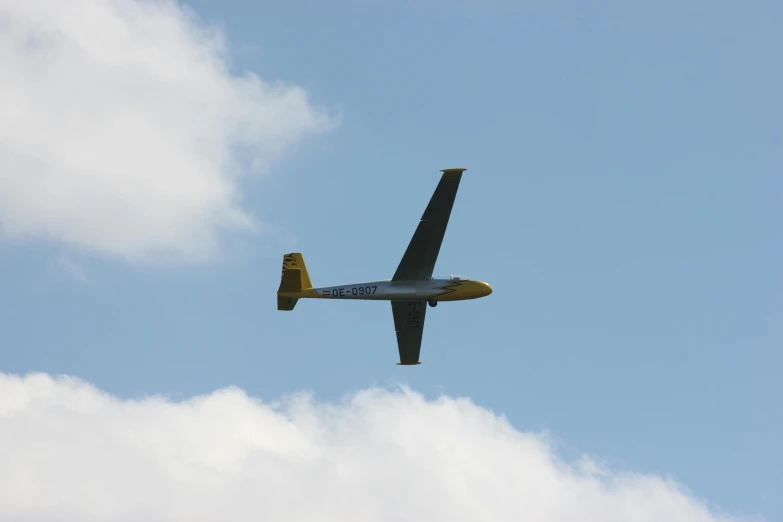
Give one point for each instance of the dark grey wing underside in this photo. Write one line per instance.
(409, 324)
(422, 253)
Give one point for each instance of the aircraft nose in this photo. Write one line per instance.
(487, 288)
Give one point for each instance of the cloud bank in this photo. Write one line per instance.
(71, 452)
(123, 130)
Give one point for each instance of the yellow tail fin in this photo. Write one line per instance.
(294, 280)
(292, 261)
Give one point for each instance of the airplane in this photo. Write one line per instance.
(411, 288)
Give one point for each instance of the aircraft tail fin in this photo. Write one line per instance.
(296, 261)
(291, 282)
(294, 280)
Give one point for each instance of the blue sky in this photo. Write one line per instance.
(623, 197)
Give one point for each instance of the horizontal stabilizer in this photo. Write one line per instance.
(286, 303)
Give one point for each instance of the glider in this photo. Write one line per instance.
(411, 288)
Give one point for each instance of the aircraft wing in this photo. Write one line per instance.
(419, 259)
(409, 324)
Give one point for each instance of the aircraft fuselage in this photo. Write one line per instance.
(436, 289)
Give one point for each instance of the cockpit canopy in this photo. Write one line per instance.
(451, 277)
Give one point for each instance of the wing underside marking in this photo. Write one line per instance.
(409, 325)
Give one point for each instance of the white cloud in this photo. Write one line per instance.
(123, 130)
(71, 452)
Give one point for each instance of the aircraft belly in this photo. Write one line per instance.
(432, 289)
(385, 291)
(372, 291)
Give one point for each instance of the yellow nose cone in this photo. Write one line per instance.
(487, 288)
(465, 290)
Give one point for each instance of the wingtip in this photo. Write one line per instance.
(452, 173)
(408, 363)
